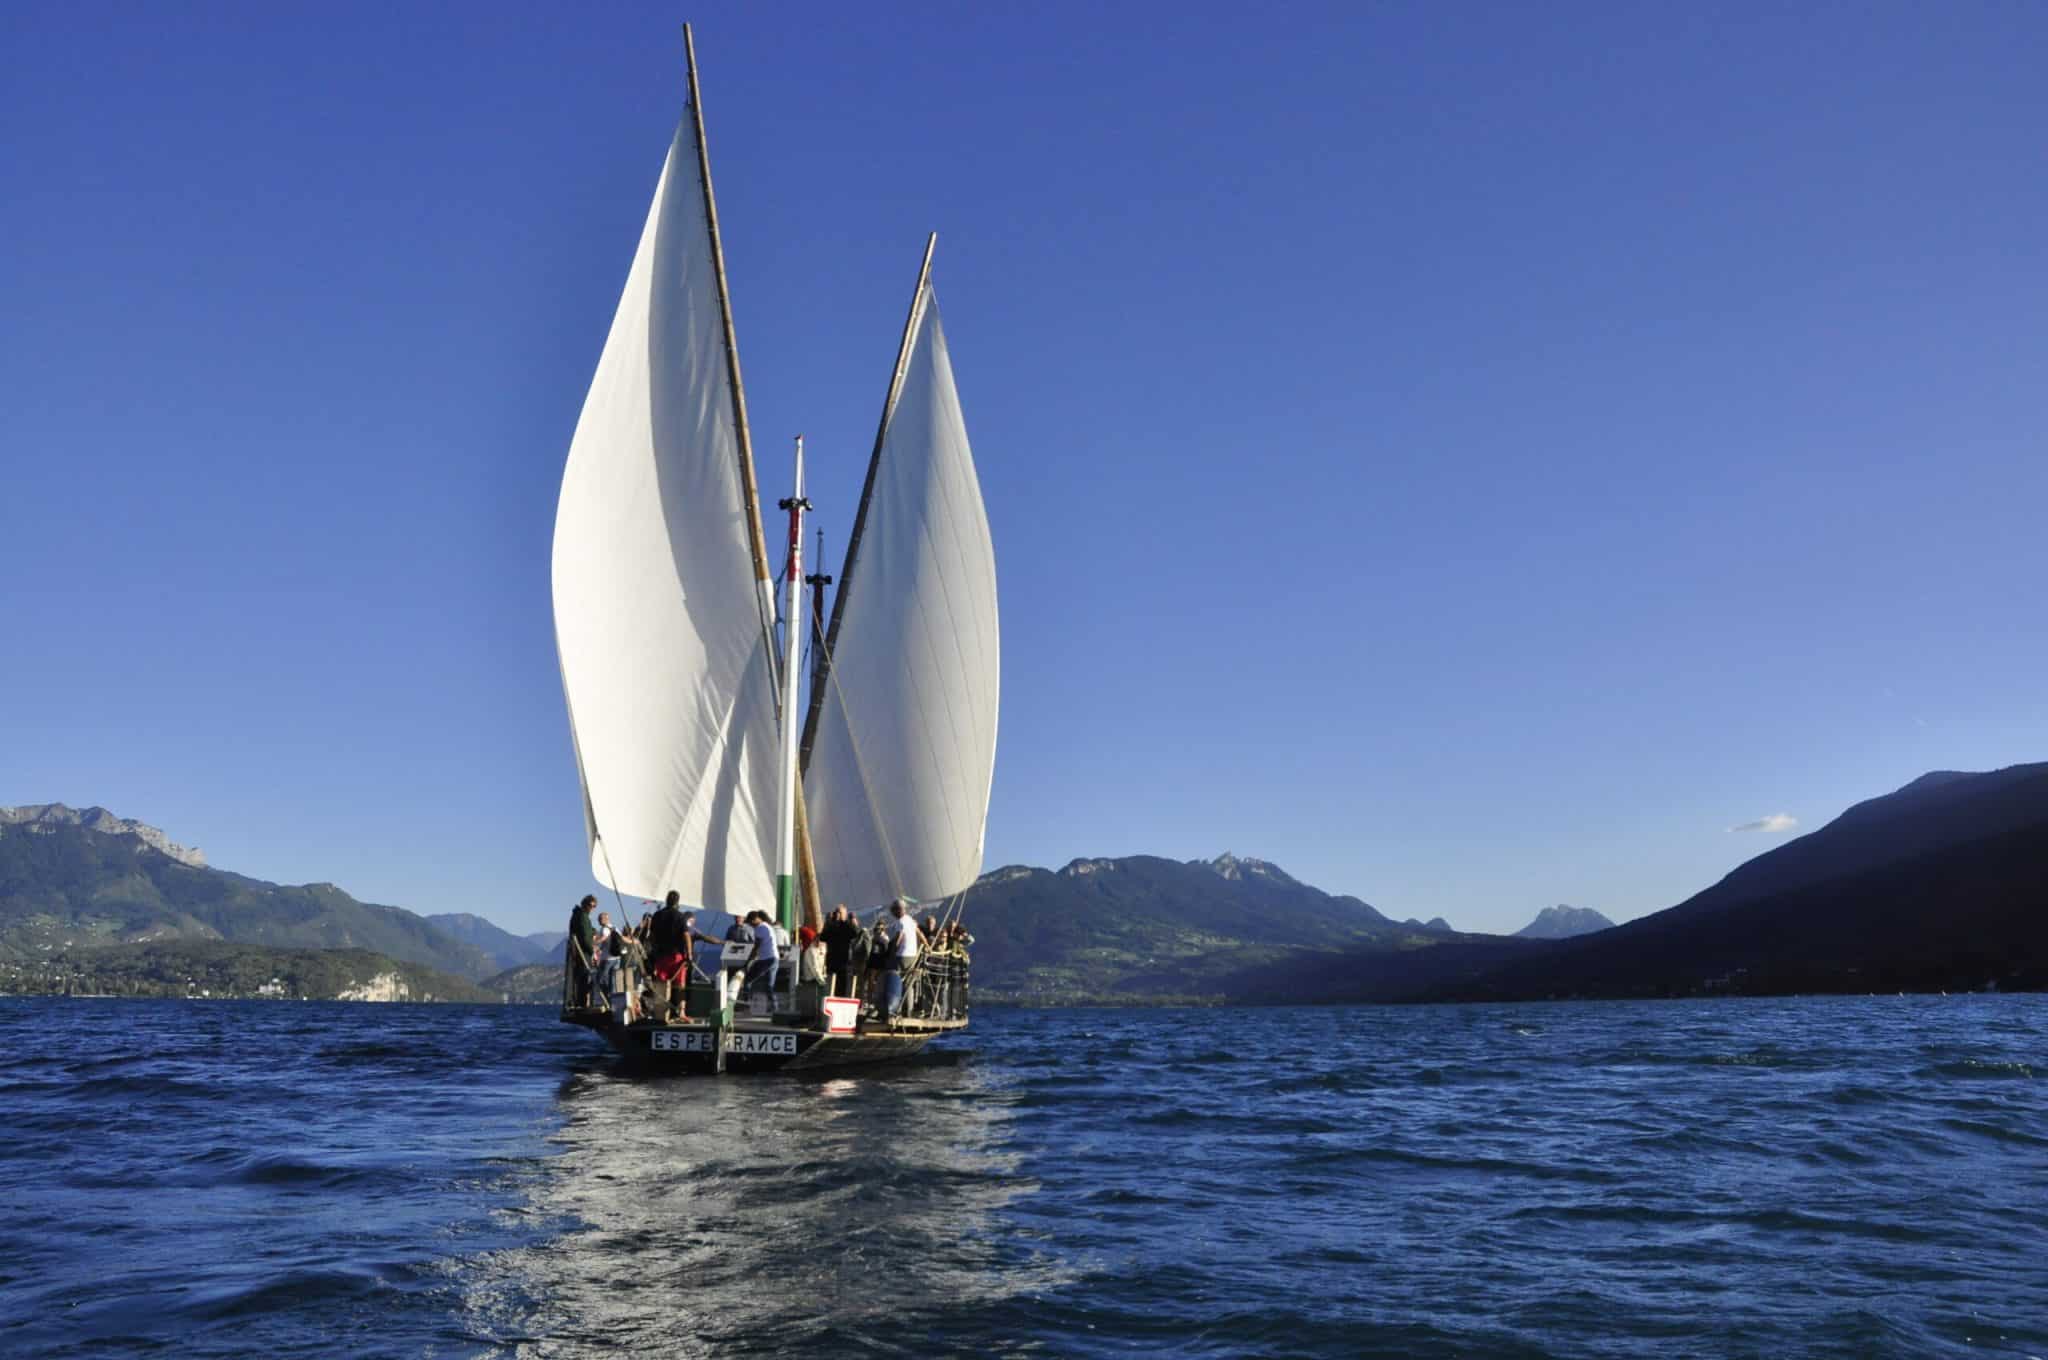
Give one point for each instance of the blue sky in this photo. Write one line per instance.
(1472, 456)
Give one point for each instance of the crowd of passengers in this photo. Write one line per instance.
(880, 964)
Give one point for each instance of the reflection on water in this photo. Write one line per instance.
(760, 1214)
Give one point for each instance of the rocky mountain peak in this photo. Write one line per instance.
(1236, 869)
(44, 816)
(1006, 873)
(1562, 922)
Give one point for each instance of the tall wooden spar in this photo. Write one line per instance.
(791, 831)
(867, 491)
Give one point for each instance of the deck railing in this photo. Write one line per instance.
(935, 988)
(576, 977)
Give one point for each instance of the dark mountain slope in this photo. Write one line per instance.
(1377, 973)
(1934, 812)
(1942, 885)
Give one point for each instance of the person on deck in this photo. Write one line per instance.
(583, 939)
(606, 947)
(904, 933)
(623, 965)
(858, 965)
(762, 967)
(839, 934)
(782, 949)
(692, 937)
(741, 931)
(810, 957)
(669, 949)
(881, 960)
(957, 940)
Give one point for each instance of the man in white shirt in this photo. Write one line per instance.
(606, 953)
(903, 933)
(761, 969)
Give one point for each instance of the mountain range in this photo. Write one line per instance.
(1939, 885)
(1142, 926)
(44, 816)
(1942, 883)
(503, 948)
(84, 890)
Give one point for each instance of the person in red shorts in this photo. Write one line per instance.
(669, 950)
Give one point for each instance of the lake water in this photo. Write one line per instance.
(1838, 1177)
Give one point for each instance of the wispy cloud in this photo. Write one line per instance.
(1777, 821)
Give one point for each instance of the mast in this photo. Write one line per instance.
(793, 641)
(817, 581)
(748, 491)
(867, 491)
(792, 824)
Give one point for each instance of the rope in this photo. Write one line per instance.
(610, 872)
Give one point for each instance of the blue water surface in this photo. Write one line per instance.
(1826, 1177)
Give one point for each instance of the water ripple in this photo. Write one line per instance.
(1813, 1177)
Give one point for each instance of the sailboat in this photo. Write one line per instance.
(706, 769)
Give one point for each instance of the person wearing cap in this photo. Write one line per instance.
(810, 956)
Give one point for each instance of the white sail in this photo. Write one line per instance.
(667, 676)
(898, 783)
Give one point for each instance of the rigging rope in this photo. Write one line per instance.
(610, 872)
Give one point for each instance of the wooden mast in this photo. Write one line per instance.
(867, 491)
(755, 540)
(764, 598)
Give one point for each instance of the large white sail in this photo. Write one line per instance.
(898, 781)
(664, 664)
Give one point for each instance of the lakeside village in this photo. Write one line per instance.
(221, 971)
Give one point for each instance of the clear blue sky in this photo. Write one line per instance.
(1472, 456)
